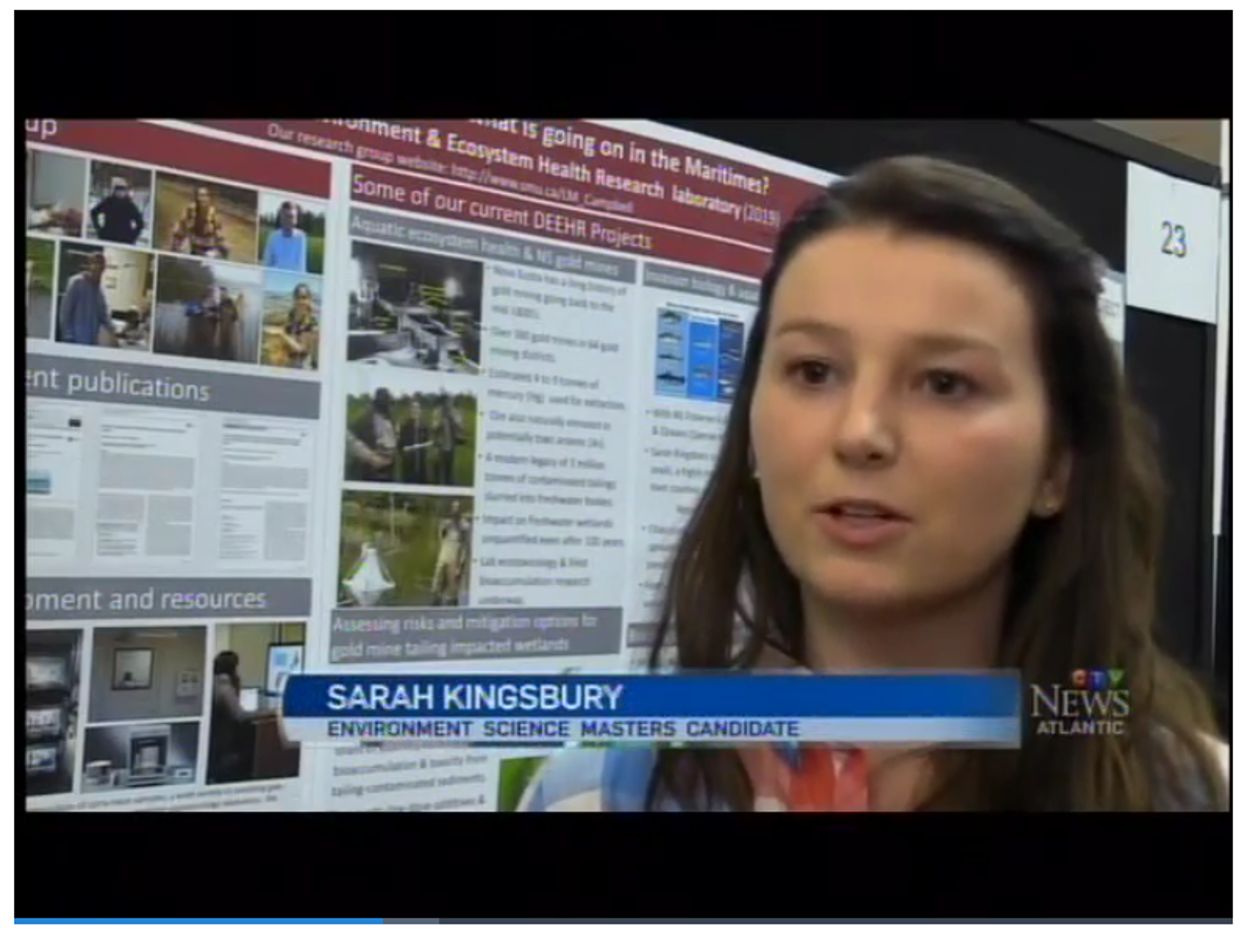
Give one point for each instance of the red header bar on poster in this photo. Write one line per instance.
(460, 203)
(195, 153)
(578, 164)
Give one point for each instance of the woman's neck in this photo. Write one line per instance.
(962, 633)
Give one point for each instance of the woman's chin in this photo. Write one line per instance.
(861, 585)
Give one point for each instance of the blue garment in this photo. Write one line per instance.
(592, 780)
(84, 310)
(287, 252)
(616, 780)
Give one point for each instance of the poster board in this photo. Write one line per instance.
(207, 451)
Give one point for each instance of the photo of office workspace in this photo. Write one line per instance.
(147, 689)
(414, 310)
(53, 669)
(145, 673)
(151, 754)
(251, 663)
(123, 277)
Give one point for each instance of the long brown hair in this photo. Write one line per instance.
(1082, 584)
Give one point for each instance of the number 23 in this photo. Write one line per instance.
(1175, 240)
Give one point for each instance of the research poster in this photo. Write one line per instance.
(356, 395)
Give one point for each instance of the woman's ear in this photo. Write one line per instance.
(1053, 490)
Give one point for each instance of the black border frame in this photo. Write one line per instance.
(965, 867)
(1160, 865)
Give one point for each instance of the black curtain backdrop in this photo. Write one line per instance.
(1170, 364)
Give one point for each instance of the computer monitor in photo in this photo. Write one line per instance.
(249, 699)
(284, 660)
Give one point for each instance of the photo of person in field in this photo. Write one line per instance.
(291, 321)
(404, 550)
(414, 438)
(207, 311)
(292, 234)
(206, 219)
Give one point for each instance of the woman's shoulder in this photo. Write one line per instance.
(1185, 785)
(591, 780)
(1220, 751)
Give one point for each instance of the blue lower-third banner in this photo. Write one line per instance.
(983, 709)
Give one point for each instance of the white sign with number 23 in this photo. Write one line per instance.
(1172, 243)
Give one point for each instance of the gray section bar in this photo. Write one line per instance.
(72, 378)
(489, 246)
(166, 598)
(641, 634)
(433, 634)
(702, 285)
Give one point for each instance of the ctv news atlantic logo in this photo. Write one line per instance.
(1094, 702)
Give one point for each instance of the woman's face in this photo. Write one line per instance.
(899, 425)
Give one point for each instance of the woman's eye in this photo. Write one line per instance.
(811, 371)
(945, 384)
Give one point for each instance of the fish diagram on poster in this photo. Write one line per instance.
(697, 357)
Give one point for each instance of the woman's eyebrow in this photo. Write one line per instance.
(924, 342)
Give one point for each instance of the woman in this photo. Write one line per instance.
(931, 463)
(299, 337)
(230, 738)
(199, 231)
(451, 554)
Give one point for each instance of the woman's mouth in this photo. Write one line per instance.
(862, 524)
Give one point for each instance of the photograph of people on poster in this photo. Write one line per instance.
(414, 433)
(208, 310)
(401, 550)
(104, 296)
(292, 305)
(120, 204)
(292, 234)
(206, 219)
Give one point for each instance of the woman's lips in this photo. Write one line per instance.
(862, 523)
